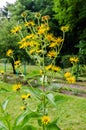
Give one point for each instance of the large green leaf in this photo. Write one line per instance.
(25, 117)
(3, 90)
(20, 118)
(53, 127)
(3, 126)
(31, 115)
(51, 98)
(4, 104)
(29, 127)
(34, 92)
(22, 121)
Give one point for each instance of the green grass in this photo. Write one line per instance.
(71, 110)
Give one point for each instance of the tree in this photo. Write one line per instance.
(9, 41)
(73, 13)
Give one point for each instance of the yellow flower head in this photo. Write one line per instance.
(38, 15)
(24, 97)
(17, 87)
(71, 79)
(64, 28)
(67, 74)
(45, 18)
(29, 24)
(24, 14)
(9, 52)
(42, 29)
(32, 51)
(39, 51)
(41, 72)
(52, 54)
(23, 108)
(49, 67)
(28, 95)
(24, 44)
(53, 44)
(1, 71)
(16, 29)
(74, 59)
(50, 37)
(59, 40)
(17, 63)
(30, 36)
(55, 68)
(45, 120)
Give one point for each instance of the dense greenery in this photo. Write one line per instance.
(72, 12)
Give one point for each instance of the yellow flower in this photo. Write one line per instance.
(74, 59)
(17, 63)
(29, 24)
(32, 51)
(53, 44)
(71, 79)
(39, 51)
(24, 44)
(22, 41)
(42, 29)
(67, 74)
(24, 14)
(55, 68)
(59, 40)
(48, 67)
(17, 87)
(64, 28)
(45, 120)
(23, 108)
(50, 37)
(41, 72)
(45, 18)
(32, 36)
(52, 54)
(2, 71)
(16, 29)
(24, 97)
(28, 95)
(37, 15)
(56, 42)
(9, 52)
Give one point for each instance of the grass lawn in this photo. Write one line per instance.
(71, 110)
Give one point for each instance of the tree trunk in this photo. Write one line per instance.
(13, 66)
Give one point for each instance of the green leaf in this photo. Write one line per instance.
(39, 122)
(25, 117)
(2, 90)
(34, 92)
(4, 104)
(20, 118)
(2, 126)
(51, 99)
(29, 127)
(53, 127)
(17, 127)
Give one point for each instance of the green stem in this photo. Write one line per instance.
(8, 123)
(43, 127)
